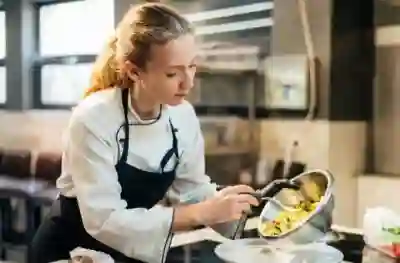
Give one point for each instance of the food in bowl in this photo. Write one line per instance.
(288, 220)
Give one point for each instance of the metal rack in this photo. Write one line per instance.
(229, 61)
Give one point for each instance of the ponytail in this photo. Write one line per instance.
(105, 73)
(142, 26)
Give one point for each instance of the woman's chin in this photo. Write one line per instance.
(176, 101)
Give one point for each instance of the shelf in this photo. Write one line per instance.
(228, 150)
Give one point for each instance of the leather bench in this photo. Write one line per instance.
(28, 180)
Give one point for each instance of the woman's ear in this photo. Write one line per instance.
(131, 71)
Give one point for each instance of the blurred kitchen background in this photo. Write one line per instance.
(264, 64)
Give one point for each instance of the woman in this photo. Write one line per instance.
(132, 141)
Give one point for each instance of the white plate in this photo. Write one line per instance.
(252, 250)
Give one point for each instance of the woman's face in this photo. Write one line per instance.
(170, 71)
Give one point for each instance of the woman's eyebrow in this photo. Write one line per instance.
(179, 66)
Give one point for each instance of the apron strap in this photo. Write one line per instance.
(125, 147)
(171, 152)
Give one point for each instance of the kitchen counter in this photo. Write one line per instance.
(195, 236)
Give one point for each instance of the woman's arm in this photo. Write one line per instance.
(192, 184)
(139, 233)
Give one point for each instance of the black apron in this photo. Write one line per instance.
(63, 230)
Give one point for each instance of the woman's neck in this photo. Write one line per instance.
(144, 107)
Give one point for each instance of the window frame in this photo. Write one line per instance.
(3, 60)
(40, 3)
(40, 61)
(3, 64)
(37, 77)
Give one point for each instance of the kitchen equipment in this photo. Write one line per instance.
(270, 189)
(288, 167)
(279, 204)
(250, 250)
(316, 227)
(264, 194)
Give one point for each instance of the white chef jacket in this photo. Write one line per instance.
(93, 147)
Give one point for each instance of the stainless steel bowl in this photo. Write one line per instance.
(317, 226)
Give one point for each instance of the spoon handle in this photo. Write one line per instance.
(276, 202)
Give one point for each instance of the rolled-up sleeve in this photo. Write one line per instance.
(193, 184)
(138, 233)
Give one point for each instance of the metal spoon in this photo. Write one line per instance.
(276, 202)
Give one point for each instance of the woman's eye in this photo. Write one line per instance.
(171, 75)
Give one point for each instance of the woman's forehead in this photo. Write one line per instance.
(178, 52)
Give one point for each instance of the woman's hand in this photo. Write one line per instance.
(229, 204)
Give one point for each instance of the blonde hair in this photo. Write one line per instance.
(141, 27)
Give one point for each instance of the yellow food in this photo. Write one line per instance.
(287, 220)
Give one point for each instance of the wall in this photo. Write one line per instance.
(34, 130)
(386, 111)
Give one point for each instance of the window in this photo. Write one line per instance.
(2, 34)
(3, 85)
(2, 56)
(64, 84)
(71, 34)
(75, 28)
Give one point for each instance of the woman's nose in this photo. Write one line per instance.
(188, 82)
